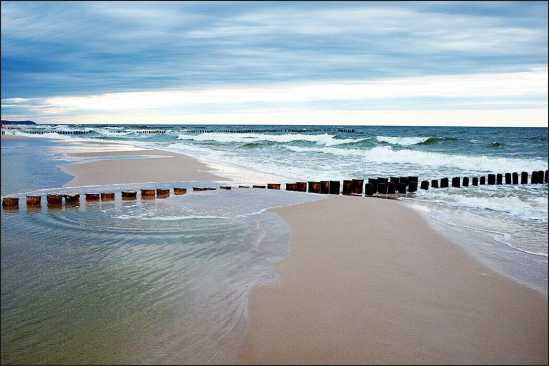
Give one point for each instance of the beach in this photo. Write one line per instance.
(366, 280)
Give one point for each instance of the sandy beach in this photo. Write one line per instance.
(367, 281)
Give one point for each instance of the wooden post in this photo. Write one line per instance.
(491, 179)
(108, 196)
(128, 195)
(34, 201)
(546, 176)
(72, 199)
(474, 181)
(271, 186)
(290, 186)
(508, 178)
(482, 181)
(541, 176)
(499, 178)
(465, 182)
(228, 188)
(514, 178)
(391, 187)
(244, 186)
(325, 187)
(314, 187)
(394, 180)
(346, 189)
(147, 194)
(179, 191)
(357, 186)
(301, 186)
(90, 197)
(334, 187)
(54, 200)
(382, 187)
(444, 183)
(163, 193)
(261, 186)
(370, 189)
(455, 182)
(524, 177)
(425, 185)
(10, 203)
(435, 183)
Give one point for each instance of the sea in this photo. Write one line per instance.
(168, 280)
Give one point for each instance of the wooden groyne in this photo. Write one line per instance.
(385, 187)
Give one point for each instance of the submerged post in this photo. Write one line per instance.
(72, 199)
(524, 177)
(163, 193)
(54, 200)
(455, 183)
(179, 191)
(34, 201)
(147, 194)
(10, 202)
(129, 195)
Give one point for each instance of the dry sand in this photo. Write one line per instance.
(145, 166)
(368, 281)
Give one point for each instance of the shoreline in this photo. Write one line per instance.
(333, 291)
(356, 290)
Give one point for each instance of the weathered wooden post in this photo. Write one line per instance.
(413, 184)
(90, 197)
(370, 189)
(147, 194)
(72, 199)
(128, 195)
(271, 186)
(334, 187)
(444, 183)
(514, 178)
(524, 177)
(314, 187)
(325, 187)
(499, 178)
(455, 182)
(54, 200)
(382, 187)
(107, 196)
(465, 181)
(228, 188)
(357, 186)
(260, 186)
(34, 201)
(425, 185)
(10, 203)
(346, 189)
(546, 176)
(394, 180)
(482, 181)
(241, 186)
(435, 183)
(475, 181)
(290, 186)
(163, 193)
(301, 186)
(508, 178)
(179, 191)
(491, 179)
(541, 176)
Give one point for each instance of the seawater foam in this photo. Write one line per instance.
(474, 163)
(324, 139)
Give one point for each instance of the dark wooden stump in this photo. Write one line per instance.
(128, 195)
(90, 197)
(515, 179)
(301, 186)
(54, 200)
(491, 179)
(34, 201)
(382, 187)
(402, 188)
(444, 183)
(524, 177)
(391, 187)
(228, 188)
(357, 186)
(273, 186)
(455, 182)
(370, 189)
(163, 193)
(179, 191)
(325, 187)
(465, 181)
(10, 203)
(508, 178)
(260, 186)
(147, 194)
(546, 176)
(72, 199)
(334, 187)
(425, 185)
(435, 183)
(482, 181)
(499, 178)
(314, 187)
(346, 189)
(475, 181)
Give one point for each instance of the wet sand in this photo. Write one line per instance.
(144, 166)
(368, 281)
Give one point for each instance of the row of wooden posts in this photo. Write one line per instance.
(352, 187)
(280, 130)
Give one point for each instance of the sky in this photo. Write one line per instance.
(361, 63)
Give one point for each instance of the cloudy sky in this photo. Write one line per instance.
(400, 63)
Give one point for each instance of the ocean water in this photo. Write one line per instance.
(189, 262)
(163, 281)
